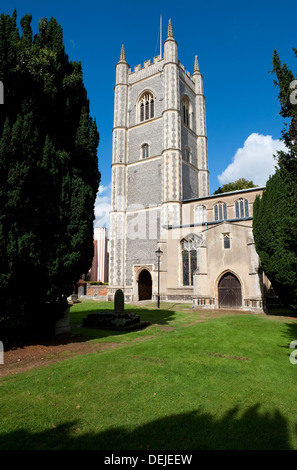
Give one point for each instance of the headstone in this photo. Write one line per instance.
(119, 301)
(117, 319)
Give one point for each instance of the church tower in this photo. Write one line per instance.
(159, 160)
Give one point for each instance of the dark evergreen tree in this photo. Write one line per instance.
(274, 226)
(49, 173)
(275, 213)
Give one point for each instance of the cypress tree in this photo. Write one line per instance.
(49, 174)
(275, 213)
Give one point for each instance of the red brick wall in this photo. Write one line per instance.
(96, 290)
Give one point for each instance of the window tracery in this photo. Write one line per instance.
(199, 214)
(186, 111)
(146, 107)
(241, 208)
(220, 211)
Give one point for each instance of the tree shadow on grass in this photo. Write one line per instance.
(290, 335)
(147, 312)
(281, 312)
(151, 315)
(248, 429)
(79, 333)
(292, 330)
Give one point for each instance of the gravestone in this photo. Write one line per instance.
(117, 319)
(119, 305)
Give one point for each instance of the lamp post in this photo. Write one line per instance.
(159, 254)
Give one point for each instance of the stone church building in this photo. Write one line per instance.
(160, 196)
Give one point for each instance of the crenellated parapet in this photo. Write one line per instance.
(148, 70)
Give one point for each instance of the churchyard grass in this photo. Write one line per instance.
(191, 380)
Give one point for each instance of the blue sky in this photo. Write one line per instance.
(234, 42)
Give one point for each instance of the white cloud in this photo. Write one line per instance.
(255, 161)
(103, 189)
(102, 207)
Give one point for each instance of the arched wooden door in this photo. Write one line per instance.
(144, 285)
(229, 292)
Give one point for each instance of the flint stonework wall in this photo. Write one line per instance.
(190, 182)
(151, 133)
(144, 184)
(141, 242)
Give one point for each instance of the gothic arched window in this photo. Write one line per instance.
(226, 239)
(189, 247)
(186, 111)
(241, 208)
(146, 107)
(199, 214)
(144, 151)
(220, 211)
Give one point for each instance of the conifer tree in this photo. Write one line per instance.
(275, 213)
(49, 173)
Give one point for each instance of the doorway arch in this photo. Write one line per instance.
(229, 291)
(144, 285)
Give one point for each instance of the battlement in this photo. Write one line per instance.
(149, 68)
(146, 64)
(185, 70)
(186, 75)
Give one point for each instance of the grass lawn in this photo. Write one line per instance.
(191, 380)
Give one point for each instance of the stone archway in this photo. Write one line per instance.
(229, 291)
(144, 285)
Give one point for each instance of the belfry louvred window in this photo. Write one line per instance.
(186, 111)
(146, 107)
